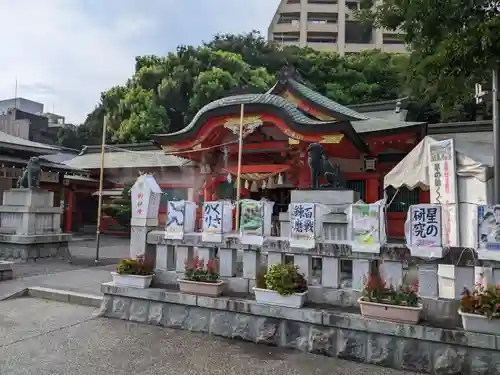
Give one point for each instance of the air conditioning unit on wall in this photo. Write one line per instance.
(370, 164)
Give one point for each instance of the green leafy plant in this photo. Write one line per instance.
(483, 301)
(120, 208)
(137, 266)
(196, 270)
(375, 290)
(285, 279)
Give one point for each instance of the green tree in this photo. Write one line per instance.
(454, 44)
(120, 208)
(165, 92)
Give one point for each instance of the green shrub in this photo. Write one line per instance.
(137, 266)
(285, 279)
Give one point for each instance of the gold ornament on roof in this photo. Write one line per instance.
(336, 138)
(250, 124)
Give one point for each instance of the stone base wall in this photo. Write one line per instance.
(332, 333)
(6, 271)
(6, 275)
(25, 252)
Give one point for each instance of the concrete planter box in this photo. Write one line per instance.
(270, 297)
(479, 323)
(135, 281)
(201, 289)
(394, 313)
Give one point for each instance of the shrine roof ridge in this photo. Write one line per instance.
(256, 103)
(318, 99)
(251, 99)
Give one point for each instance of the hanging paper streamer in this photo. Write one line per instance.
(367, 227)
(280, 179)
(254, 188)
(255, 221)
(217, 220)
(424, 231)
(270, 183)
(488, 232)
(246, 184)
(181, 217)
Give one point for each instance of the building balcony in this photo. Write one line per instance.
(322, 8)
(286, 27)
(326, 47)
(322, 27)
(394, 48)
(290, 8)
(358, 47)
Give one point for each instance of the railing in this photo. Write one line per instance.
(335, 274)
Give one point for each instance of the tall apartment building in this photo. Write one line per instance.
(329, 25)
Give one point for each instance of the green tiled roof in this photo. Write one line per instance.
(127, 159)
(270, 99)
(323, 101)
(377, 124)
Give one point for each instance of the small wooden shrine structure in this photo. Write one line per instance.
(278, 126)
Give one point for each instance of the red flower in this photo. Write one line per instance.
(415, 286)
(210, 265)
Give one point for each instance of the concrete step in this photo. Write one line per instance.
(57, 295)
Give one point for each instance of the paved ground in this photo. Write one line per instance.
(84, 280)
(39, 337)
(83, 251)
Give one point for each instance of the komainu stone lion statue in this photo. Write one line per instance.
(30, 178)
(321, 166)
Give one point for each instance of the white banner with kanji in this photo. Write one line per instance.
(424, 230)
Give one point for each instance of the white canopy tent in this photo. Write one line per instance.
(474, 159)
(474, 172)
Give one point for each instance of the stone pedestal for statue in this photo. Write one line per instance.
(30, 226)
(146, 196)
(334, 223)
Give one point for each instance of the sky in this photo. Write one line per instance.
(64, 53)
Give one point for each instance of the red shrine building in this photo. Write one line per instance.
(366, 141)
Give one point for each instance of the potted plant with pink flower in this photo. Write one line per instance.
(480, 309)
(202, 279)
(398, 304)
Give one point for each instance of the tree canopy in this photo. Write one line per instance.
(454, 45)
(165, 92)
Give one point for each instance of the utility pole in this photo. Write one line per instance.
(480, 95)
(496, 135)
(101, 183)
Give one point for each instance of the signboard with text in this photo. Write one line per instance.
(181, 217)
(366, 227)
(303, 225)
(488, 232)
(217, 220)
(255, 221)
(146, 196)
(424, 234)
(443, 187)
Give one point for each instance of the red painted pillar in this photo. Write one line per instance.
(372, 189)
(207, 194)
(305, 172)
(424, 196)
(68, 223)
